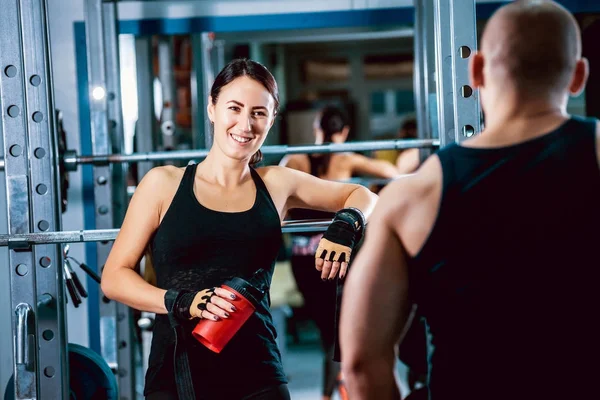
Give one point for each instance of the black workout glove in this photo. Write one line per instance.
(184, 305)
(338, 242)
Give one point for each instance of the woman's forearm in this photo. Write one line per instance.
(128, 287)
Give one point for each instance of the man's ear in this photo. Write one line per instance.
(476, 64)
(580, 77)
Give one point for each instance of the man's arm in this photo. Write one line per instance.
(375, 304)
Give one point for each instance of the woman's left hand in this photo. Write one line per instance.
(332, 257)
(338, 242)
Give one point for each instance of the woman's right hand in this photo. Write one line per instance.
(213, 304)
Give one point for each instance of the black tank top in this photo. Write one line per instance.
(196, 248)
(508, 278)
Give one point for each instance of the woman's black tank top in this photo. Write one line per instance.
(196, 248)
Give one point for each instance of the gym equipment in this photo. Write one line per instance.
(68, 160)
(71, 160)
(90, 377)
(74, 286)
(33, 155)
(25, 240)
(62, 150)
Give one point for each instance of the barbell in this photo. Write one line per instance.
(69, 160)
(24, 241)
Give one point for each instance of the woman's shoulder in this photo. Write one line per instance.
(156, 189)
(341, 160)
(275, 176)
(165, 174)
(160, 180)
(272, 172)
(299, 162)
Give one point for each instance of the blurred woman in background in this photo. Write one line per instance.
(330, 126)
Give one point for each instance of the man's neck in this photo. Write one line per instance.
(510, 121)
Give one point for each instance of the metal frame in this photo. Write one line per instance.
(116, 338)
(167, 81)
(28, 128)
(36, 290)
(459, 113)
(467, 110)
(208, 74)
(199, 140)
(424, 69)
(124, 335)
(146, 120)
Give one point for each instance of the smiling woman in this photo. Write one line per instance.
(206, 223)
(245, 111)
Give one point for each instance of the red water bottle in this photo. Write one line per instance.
(216, 334)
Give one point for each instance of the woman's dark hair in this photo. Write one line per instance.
(252, 69)
(332, 120)
(408, 130)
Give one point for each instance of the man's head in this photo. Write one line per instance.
(531, 48)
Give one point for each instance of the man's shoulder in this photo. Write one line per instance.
(412, 188)
(409, 205)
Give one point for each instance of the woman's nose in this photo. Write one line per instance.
(245, 123)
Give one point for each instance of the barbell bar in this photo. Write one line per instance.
(25, 240)
(72, 160)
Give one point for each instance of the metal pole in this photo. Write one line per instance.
(271, 150)
(124, 337)
(424, 72)
(419, 73)
(467, 112)
(107, 235)
(208, 77)
(145, 127)
(443, 58)
(101, 43)
(73, 160)
(455, 42)
(29, 132)
(197, 95)
(167, 82)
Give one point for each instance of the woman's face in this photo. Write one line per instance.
(242, 117)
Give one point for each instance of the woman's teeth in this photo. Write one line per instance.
(239, 138)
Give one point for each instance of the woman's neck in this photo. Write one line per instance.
(223, 171)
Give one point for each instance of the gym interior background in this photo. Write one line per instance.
(356, 53)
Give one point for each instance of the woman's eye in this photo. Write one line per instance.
(259, 114)
(234, 108)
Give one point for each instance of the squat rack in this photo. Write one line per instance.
(447, 111)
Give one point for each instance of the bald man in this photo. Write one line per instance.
(496, 240)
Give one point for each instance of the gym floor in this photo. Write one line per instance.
(302, 363)
(302, 359)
